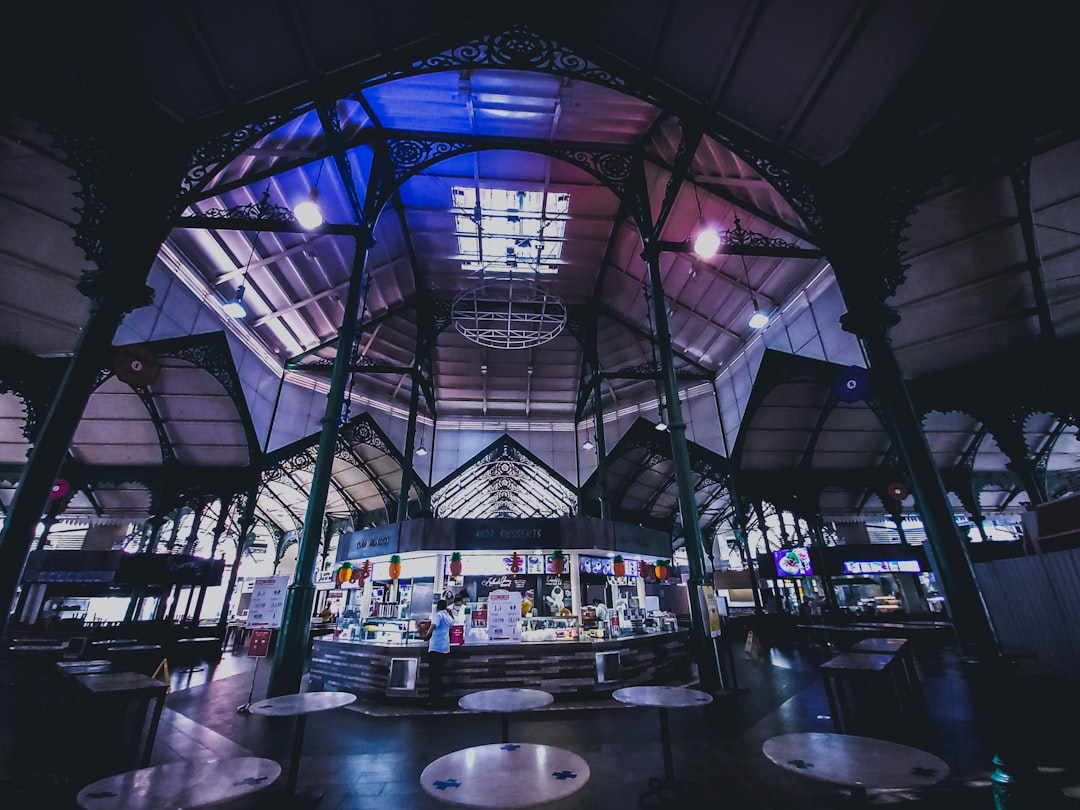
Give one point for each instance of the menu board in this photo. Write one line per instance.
(267, 606)
(504, 616)
(709, 608)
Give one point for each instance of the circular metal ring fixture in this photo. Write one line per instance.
(508, 314)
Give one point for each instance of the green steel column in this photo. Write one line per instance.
(410, 442)
(948, 553)
(601, 443)
(49, 452)
(290, 650)
(708, 666)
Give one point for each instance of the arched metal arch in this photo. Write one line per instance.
(515, 48)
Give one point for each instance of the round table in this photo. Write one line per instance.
(506, 701)
(664, 698)
(855, 762)
(502, 776)
(300, 706)
(179, 785)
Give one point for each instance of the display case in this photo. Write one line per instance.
(550, 628)
(351, 627)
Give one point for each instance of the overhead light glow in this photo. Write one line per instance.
(707, 243)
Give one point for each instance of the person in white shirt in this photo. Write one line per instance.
(438, 652)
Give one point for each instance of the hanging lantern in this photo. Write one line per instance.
(515, 563)
(59, 489)
(343, 574)
(395, 566)
(558, 561)
(618, 567)
(455, 564)
(661, 569)
(363, 573)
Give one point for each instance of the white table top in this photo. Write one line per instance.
(180, 785)
(301, 703)
(845, 759)
(663, 697)
(506, 700)
(503, 776)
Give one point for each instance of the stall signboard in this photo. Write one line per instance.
(605, 566)
(792, 562)
(267, 606)
(507, 533)
(457, 634)
(882, 567)
(504, 616)
(369, 543)
(503, 582)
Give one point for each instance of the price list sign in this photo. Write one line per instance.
(504, 616)
(267, 605)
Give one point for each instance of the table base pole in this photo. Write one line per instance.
(665, 792)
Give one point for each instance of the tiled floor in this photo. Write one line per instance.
(371, 756)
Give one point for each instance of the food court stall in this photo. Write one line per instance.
(524, 620)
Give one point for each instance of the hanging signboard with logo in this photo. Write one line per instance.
(504, 616)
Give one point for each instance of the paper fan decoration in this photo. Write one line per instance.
(851, 384)
(136, 365)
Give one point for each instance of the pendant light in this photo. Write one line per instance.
(307, 212)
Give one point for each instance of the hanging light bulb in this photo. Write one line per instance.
(662, 424)
(759, 320)
(707, 243)
(588, 443)
(308, 213)
(421, 450)
(235, 308)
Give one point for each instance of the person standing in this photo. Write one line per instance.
(438, 652)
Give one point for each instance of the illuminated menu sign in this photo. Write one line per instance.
(604, 565)
(882, 566)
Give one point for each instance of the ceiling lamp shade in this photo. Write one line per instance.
(421, 450)
(308, 213)
(759, 320)
(588, 443)
(235, 308)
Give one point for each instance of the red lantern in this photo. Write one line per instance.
(395, 566)
(618, 567)
(455, 563)
(558, 562)
(661, 569)
(515, 563)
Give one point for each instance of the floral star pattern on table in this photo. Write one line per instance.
(801, 764)
(443, 784)
(252, 780)
(560, 775)
(929, 773)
